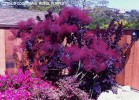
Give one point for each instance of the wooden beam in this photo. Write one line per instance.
(5, 26)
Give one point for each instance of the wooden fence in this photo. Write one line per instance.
(129, 76)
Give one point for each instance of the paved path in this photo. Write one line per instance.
(122, 95)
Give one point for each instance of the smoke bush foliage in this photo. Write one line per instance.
(62, 42)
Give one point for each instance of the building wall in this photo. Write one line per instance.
(7, 50)
(10, 45)
(2, 52)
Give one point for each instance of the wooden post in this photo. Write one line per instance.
(2, 52)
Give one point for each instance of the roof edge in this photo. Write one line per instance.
(5, 26)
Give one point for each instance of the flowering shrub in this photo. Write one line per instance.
(63, 42)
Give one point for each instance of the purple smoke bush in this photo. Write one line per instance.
(63, 42)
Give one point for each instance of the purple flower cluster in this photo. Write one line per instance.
(21, 86)
(26, 86)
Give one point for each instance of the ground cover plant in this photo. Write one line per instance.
(26, 86)
(61, 50)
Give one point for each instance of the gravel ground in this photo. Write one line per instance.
(123, 93)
